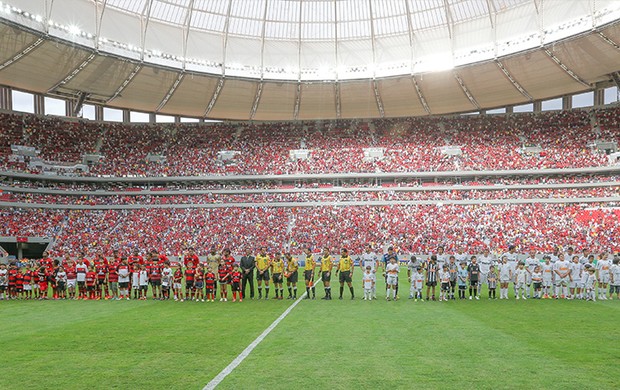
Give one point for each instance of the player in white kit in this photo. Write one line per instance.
(368, 282)
(576, 271)
(547, 276)
(417, 284)
(505, 275)
(614, 281)
(370, 259)
(530, 265)
(485, 260)
(561, 270)
(590, 285)
(391, 271)
(520, 278)
(603, 266)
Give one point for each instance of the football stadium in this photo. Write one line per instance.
(289, 194)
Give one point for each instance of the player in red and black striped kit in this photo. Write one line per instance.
(189, 281)
(101, 269)
(210, 280)
(154, 270)
(235, 278)
(223, 272)
(91, 282)
(113, 280)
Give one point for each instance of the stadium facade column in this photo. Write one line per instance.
(39, 104)
(510, 109)
(152, 117)
(68, 107)
(6, 98)
(126, 116)
(567, 102)
(98, 113)
(599, 97)
(538, 106)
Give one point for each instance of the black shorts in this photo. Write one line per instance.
(264, 276)
(123, 285)
(462, 287)
(210, 290)
(473, 283)
(90, 288)
(100, 282)
(277, 278)
(199, 285)
(345, 276)
(431, 284)
(292, 278)
(189, 284)
(326, 276)
(309, 275)
(445, 286)
(61, 286)
(155, 283)
(236, 286)
(614, 289)
(3, 288)
(144, 287)
(81, 284)
(537, 285)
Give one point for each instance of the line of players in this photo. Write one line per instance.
(556, 277)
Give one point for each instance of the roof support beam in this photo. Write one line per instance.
(74, 72)
(145, 17)
(471, 98)
(262, 44)
(259, 92)
(492, 12)
(421, 96)
(173, 88)
(216, 93)
(372, 39)
(566, 69)
(375, 87)
(22, 53)
(337, 95)
(514, 82)
(99, 11)
(609, 40)
(449, 19)
(297, 101)
(125, 83)
(186, 24)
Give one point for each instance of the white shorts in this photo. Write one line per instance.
(528, 279)
(392, 280)
(561, 282)
(177, 286)
(27, 287)
(547, 282)
(483, 278)
(575, 284)
(520, 285)
(71, 283)
(604, 278)
(504, 279)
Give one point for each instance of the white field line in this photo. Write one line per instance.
(241, 357)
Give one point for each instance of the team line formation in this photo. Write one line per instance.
(564, 275)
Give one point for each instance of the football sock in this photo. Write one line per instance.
(260, 292)
(266, 291)
(313, 291)
(294, 292)
(341, 291)
(352, 293)
(388, 292)
(290, 292)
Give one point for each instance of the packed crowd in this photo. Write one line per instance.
(304, 197)
(566, 275)
(415, 229)
(410, 144)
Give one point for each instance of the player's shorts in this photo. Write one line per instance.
(391, 280)
(155, 283)
(483, 278)
(236, 286)
(114, 286)
(473, 283)
(90, 288)
(189, 284)
(61, 286)
(326, 276)
(123, 285)
(27, 287)
(264, 276)
(537, 285)
(210, 290)
(100, 282)
(199, 285)
(277, 277)
(445, 286)
(177, 286)
(345, 276)
(431, 284)
(144, 287)
(504, 279)
(561, 282)
(604, 278)
(4, 287)
(575, 284)
(614, 289)
(223, 283)
(81, 285)
(308, 275)
(292, 278)
(71, 283)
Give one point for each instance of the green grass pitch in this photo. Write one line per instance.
(324, 345)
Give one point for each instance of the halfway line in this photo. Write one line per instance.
(241, 357)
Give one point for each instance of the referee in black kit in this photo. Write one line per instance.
(247, 272)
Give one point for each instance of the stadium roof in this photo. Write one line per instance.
(308, 59)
